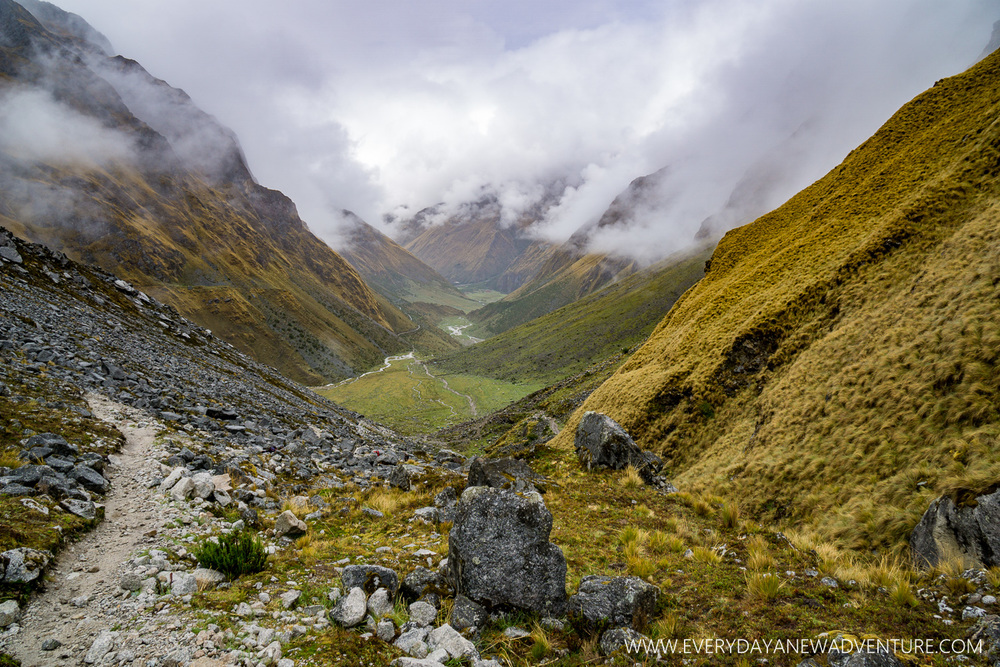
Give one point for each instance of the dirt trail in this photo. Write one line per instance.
(84, 578)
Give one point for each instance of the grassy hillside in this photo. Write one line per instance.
(566, 275)
(566, 341)
(396, 273)
(837, 366)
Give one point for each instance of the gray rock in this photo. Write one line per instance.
(55, 442)
(289, 599)
(208, 578)
(204, 487)
(51, 644)
(412, 641)
(370, 578)
(386, 630)
(422, 581)
(446, 503)
(131, 581)
(513, 474)
(100, 648)
(183, 583)
(183, 489)
(969, 528)
(399, 478)
(874, 659)
(171, 479)
(619, 639)
(289, 525)
(499, 553)
(222, 498)
(350, 609)
(448, 638)
(89, 479)
(516, 633)
(609, 602)
(467, 614)
(82, 508)
(602, 443)
(379, 604)
(422, 613)
(9, 613)
(23, 565)
(179, 657)
(10, 254)
(415, 662)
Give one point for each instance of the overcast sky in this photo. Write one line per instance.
(376, 105)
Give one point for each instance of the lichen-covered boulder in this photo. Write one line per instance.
(370, 578)
(23, 565)
(499, 553)
(612, 602)
(289, 525)
(969, 528)
(513, 474)
(602, 443)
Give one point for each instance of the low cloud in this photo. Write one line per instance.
(394, 107)
(35, 127)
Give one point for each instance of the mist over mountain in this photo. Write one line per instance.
(113, 166)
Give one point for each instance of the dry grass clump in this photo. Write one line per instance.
(542, 646)
(763, 586)
(631, 479)
(705, 555)
(993, 577)
(759, 556)
(901, 593)
(667, 627)
(729, 516)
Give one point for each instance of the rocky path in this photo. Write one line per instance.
(80, 599)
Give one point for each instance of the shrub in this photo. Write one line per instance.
(234, 554)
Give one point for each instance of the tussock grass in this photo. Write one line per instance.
(759, 556)
(901, 593)
(763, 586)
(729, 516)
(705, 555)
(848, 342)
(631, 479)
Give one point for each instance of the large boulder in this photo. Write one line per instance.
(370, 578)
(422, 581)
(612, 602)
(513, 474)
(967, 529)
(23, 565)
(499, 553)
(601, 443)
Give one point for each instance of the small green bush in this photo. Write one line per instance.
(235, 554)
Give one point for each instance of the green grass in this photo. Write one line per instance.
(567, 341)
(409, 399)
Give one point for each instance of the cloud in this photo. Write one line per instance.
(377, 106)
(35, 127)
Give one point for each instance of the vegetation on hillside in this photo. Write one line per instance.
(837, 366)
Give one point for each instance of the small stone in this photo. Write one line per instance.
(829, 582)
(182, 583)
(287, 524)
(379, 604)
(350, 610)
(422, 613)
(289, 599)
(9, 613)
(51, 644)
(386, 630)
(100, 648)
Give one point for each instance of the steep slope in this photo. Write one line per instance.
(567, 274)
(474, 247)
(837, 365)
(112, 166)
(588, 330)
(394, 271)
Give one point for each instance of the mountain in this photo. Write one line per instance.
(837, 367)
(592, 328)
(110, 165)
(475, 246)
(394, 271)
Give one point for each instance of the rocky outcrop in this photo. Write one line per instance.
(601, 443)
(499, 553)
(513, 474)
(970, 530)
(370, 578)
